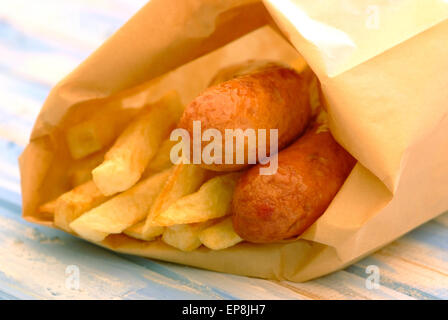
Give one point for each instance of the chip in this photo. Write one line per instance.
(46, 211)
(122, 211)
(75, 202)
(84, 139)
(213, 200)
(184, 237)
(162, 159)
(81, 170)
(105, 122)
(127, 159)
(184, 179)
(136, 231)
(220, 236)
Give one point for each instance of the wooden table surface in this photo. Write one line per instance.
(40, 42)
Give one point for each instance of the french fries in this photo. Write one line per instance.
(86, 138)
(96, 133)
(122, 211)
(184, 179)
(81, 171)
(47, 209)
(136, 231)
(136, 146)
(211, 201)
(184, 237)
(220, 236)
(105, 122)
(75, 202)
(134, 189)
(162, 159)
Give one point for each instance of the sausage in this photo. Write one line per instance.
(241, 69)
(270, 97)
(310, 172)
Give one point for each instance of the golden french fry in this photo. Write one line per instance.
(220, 236)
(81, 170)
(137, 145)
(89, 233)
(106, 120)
(47, 210)
(184, 237)
(184, 179)
(78, 177)
(162, 160)
(122, 211)
(212, 200)
(85, 138)
(136, 231)
(48, 207)
(94, 134)
(75, 202)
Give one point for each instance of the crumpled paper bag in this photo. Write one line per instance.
(382, 66)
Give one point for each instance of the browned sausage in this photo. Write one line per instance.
(269, 208)
(241, 69)
(273, 97)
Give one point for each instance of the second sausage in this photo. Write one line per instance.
(268, 208)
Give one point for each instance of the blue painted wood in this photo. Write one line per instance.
(33, 259)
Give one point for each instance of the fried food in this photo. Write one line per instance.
(269, 208)
(273, 97)
(211, 201)
(126, 161)
(122, 211)
(220, 236)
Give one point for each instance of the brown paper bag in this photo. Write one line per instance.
(382, 65)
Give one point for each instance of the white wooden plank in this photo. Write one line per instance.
(343, 285)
